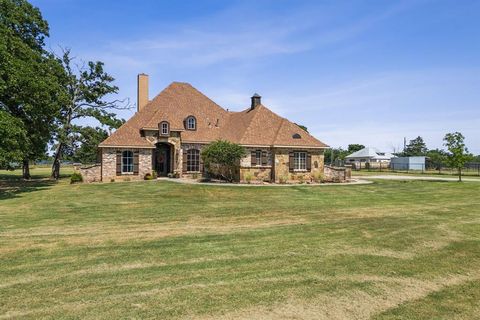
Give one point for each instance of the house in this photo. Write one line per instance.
(408, 163)
(368, 155)
(167, 134)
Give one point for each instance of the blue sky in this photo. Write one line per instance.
(370, 72)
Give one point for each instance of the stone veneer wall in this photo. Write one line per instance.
(337, 174)
(281, 166)
(91, 173)
(258, 173)
(109, 164)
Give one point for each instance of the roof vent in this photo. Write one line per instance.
(296, 136)
(256, 100)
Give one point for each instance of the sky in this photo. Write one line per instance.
(368, 72)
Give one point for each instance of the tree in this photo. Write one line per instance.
(332, 154)
(87, 143)
(13, 138)
(415, 147)
(29, 76)
(302, 127)
(222, 158)
(86, 87)
(437, 158)
(458, 154)
(355, 147)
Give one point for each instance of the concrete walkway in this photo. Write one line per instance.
(191, 181)
(429, 178)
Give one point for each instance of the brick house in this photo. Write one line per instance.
(167, 134)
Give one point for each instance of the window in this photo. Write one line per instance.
(164, 128)
(127, 161)
(193, 160)
(300, 161)
(296, 136)
(258, 157)
(191, 123)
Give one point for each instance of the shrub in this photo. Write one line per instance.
(222, 159)
(112, 180)
(195, 175)
(248, 177)
(301, 179)
(283, 179)
(318, 177)
(76, 178)
(154, 174)
(148, 176)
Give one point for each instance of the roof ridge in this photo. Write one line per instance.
(278, 130)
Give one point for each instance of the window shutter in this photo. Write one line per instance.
(264, 158)
(254, 158)
(184, 161)
(135, 162)
(309, 162)
(290, 161)
(119, 162)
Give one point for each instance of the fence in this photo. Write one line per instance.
(470, 169)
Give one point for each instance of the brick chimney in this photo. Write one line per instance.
(256, 100)
(142, 91)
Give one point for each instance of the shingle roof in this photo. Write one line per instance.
(258, 126)
(369, 152)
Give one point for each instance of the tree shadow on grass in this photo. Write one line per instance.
(12, 185)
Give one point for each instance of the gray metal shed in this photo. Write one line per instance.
(408, 163)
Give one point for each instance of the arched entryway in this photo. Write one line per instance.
(163, 159)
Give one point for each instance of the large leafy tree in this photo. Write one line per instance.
(222, 158)
(88, 88)
(30, 77)
(458, 154)
(415, 147)
(86, 146)
(13, 138)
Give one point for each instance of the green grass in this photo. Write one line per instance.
(162, 250)
(430, 173)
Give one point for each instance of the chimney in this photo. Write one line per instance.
(256, 100)
(142, 91)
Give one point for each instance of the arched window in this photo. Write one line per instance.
(191, 123)
(164, 128)
(296, 136)
(127, 161)
(193, 160)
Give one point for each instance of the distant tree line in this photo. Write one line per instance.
(43, 96)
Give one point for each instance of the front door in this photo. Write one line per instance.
(162, 163)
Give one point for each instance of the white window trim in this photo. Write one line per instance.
(133, 165)
(259, 160)
(297, 165)
(194, 122)
(161, 128)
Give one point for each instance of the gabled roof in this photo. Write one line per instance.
(369, 152)
(258, 126)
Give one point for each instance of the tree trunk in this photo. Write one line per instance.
(460, 174)
(26, 170)
(56, 162)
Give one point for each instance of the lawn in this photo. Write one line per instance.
(162, 250)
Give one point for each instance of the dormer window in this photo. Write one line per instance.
(164, 128)
(191, 123)
(296, 136)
